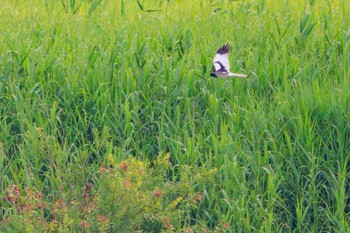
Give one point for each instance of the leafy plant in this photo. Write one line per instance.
(130, 195)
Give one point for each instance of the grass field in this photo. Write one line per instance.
(87, 85)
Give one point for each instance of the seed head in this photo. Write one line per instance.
(158, 193)
(123, 166)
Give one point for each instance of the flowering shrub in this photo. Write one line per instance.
(128, 196)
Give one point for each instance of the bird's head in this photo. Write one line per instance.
(212, 73)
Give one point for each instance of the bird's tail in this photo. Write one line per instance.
(238, 75)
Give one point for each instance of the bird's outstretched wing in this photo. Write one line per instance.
(221, 61)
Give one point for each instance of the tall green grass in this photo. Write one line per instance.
(83, 79)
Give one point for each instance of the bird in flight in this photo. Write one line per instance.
(222, 64)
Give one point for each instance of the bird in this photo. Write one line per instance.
(222, 64)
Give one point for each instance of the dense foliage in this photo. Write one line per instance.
(87, 84)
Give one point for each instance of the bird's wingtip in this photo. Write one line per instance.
(224, 49)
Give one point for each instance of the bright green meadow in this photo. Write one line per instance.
(110, 122)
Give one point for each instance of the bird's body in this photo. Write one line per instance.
(226, 75)
(222, 64)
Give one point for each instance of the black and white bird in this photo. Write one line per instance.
(222, 64)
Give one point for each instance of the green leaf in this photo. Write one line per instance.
(307, 31)
(152, 10)
(140, 5)
(94, 5)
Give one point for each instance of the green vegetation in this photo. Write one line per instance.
(110, 122)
